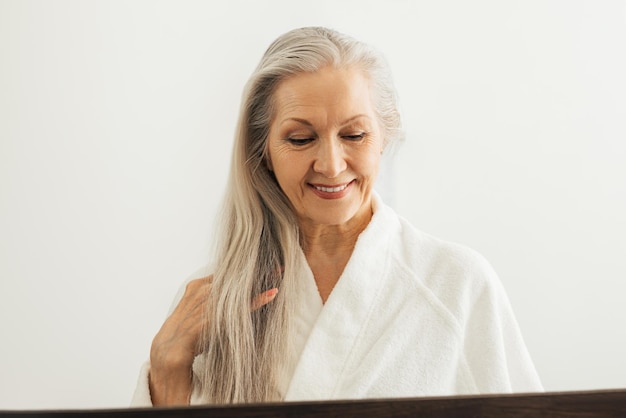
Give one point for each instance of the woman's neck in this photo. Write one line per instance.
(329, 247)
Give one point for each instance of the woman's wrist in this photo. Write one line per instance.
(168, 388)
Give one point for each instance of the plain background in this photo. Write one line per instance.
(116, 124)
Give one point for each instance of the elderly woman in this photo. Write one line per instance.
(318, 290)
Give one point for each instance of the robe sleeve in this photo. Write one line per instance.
(141, 397)
(494, 348)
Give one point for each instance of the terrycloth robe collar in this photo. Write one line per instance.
(341, 319)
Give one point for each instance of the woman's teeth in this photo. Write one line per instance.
(331, 189)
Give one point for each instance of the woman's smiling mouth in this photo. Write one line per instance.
(327, 191)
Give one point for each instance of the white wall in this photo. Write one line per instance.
(116, 121)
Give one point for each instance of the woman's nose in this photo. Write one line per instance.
(330, 160)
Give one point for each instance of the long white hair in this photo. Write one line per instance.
(258, 244)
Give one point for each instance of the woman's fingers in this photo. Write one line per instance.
(264, 298)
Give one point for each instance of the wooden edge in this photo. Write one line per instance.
(596, 403)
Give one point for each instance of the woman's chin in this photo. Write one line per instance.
(315, 211)
(335, 217)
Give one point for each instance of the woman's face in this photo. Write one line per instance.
(325, 144)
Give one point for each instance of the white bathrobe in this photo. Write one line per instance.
(411, 315)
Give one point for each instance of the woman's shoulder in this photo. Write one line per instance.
(449, 270)
(426, 260)
(453, 276)
(427, 253)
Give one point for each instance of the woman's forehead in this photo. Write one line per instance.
(332, 94)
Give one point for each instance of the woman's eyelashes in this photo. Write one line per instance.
(298, 141)
(355, 136)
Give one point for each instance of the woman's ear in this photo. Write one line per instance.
(268, 163)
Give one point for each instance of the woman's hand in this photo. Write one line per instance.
(175, 345)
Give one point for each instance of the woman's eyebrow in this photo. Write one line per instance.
(302, 121)
(344, 123)
(353, 118)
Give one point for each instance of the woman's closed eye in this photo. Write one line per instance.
(355, 136)
(299, 141)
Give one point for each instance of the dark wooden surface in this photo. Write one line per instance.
(606, 403)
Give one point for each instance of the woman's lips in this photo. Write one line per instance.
(331, 191)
